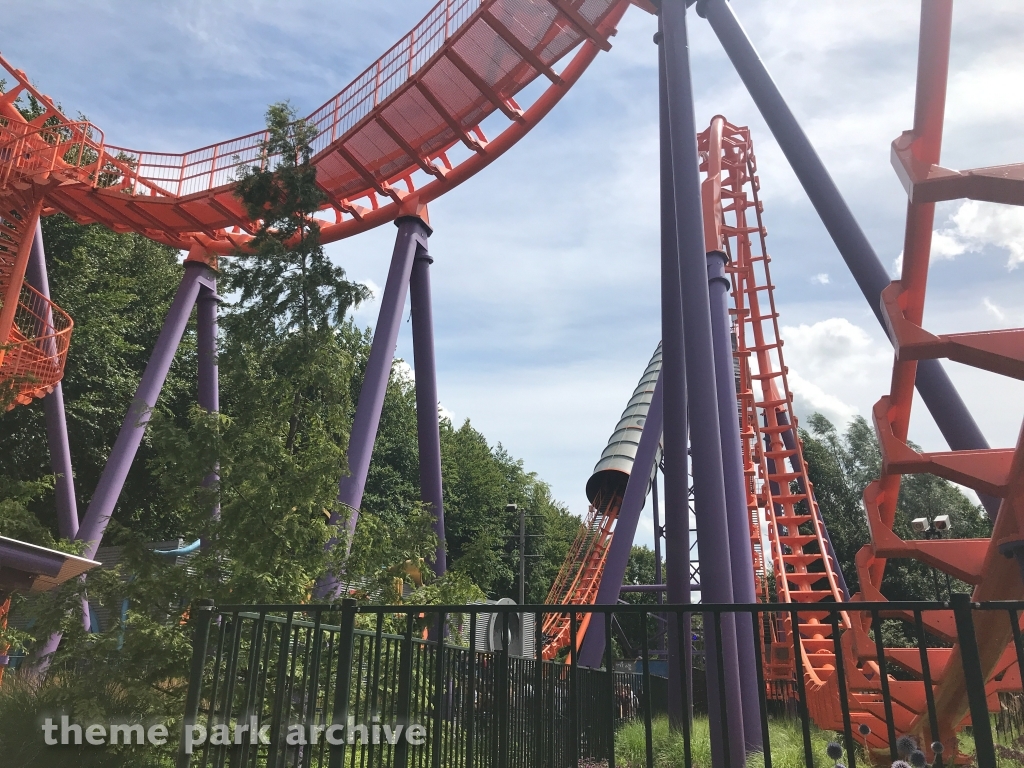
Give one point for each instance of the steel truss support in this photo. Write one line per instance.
(937, 391)
(53, 409)
(724, 701)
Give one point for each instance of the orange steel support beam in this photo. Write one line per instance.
(987, 564)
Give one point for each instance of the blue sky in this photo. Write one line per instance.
(546, 264)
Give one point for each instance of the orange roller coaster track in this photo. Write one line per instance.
(404, 132)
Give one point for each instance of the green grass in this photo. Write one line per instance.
(786, 736)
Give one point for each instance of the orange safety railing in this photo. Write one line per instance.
(408, 127)
(36, 351)
(30, 154)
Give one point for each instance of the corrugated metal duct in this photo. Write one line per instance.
(617, 458)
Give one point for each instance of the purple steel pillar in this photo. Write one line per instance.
(427, 428)
(728, 749)
(53, 408)
(197, 274)
(206, 342)
(592, 651)
(656, 515)
(125, 447)
(413, 233)
(674, 442)
(735, 493)
(940, 396)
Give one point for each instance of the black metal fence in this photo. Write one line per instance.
(349, 686)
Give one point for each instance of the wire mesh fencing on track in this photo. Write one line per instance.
(327, 686)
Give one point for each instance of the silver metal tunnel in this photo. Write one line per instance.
(616, 460)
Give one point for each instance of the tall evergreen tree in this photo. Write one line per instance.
(841, 466)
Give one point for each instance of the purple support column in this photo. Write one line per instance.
(592, 651)
(728, 749)
(413, 233)
(656, 515)
(134, 426)
(743, 589)
(940, 396)
(427, 428)
(209, 384)
(675, 440)
(53, 408)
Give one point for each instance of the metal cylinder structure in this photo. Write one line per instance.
(616, 463)
(676, 432)
(56, 418)
(719, 287)
(728, 747)
(208, 377)
(427, 426)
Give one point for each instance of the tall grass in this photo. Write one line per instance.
(25, 702)
(786, 738)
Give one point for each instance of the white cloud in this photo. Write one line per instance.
(821, 278)
(897, 266)
(975, 226)
(946, 245)
(994, 309)
(835, 367)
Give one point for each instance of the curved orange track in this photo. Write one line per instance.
(402, 134)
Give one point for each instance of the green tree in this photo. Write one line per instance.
(841, 466)
(118, 289)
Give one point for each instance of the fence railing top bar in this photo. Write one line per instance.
(803, 608)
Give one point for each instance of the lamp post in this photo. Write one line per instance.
(933, 529)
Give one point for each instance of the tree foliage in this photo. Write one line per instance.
(841, 466)
(291, 366)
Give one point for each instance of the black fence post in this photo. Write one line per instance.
(609, 665)
(471, 694)
(974, 678)
(343, 681)
(538, 693)
(404, 694)
(278, 713)
(200, 644)
(501, 689)
(439, 691)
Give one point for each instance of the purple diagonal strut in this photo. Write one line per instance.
(413, 233)
(727, 748)
(735, 493)
(53, 408)
(625, 525)
(133, 428)
(134, 425)
(940, 396)
(427, 428)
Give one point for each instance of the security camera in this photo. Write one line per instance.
(919, 524)
(942, 523)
